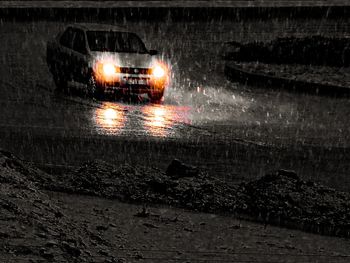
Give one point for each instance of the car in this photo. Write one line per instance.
(106, 58)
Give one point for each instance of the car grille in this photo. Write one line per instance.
(144, 71)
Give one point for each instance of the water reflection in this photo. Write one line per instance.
(109, 118)
(134, 120)
(155, 121)
(158, 120)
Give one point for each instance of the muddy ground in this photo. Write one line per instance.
(83, 220)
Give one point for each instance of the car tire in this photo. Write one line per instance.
(60, 81)
(93, 90)
(156, 96)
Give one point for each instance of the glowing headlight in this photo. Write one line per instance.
(110, 114)
(109, 69)
(158, 72)
(106, 70)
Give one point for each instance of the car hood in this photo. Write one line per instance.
(125, 59)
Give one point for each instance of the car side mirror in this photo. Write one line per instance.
(153, 52)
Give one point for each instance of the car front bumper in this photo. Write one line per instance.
(132, 83)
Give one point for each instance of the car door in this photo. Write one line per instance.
(79, 56)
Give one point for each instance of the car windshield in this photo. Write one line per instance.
(115, 42)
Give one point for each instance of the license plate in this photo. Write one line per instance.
(135, 81)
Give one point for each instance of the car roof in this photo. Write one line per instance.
(98, 27)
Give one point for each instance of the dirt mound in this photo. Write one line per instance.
(283, 198)
(280, 198)
(32, 227)
(15, 171)
(191, 188)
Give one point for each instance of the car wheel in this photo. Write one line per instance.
(156, 96)
(60, 81)
(93, 90)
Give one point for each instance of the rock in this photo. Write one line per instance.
(42, 235)
(144, 213)
(101, 228)
(149, 225)
(72, 250)
(177, 169)
(4, 235)
(294, 198)
(23, 250)
(58, 214)
(288, 173)
(46, 254)
(103, 252)
(158, 185)
(51, 243)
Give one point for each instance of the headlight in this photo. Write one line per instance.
(106, 71)
(158, 72)
(109, 69)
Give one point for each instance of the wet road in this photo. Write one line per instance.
(204, 119)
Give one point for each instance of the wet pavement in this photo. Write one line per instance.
(203, 118)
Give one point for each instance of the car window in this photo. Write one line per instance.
(115, 42)
(79, 43)
(67, 38)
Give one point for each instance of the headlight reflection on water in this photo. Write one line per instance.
(134, 120)
(155, 121)
(109, 119)
(110, 116)
(164, 120)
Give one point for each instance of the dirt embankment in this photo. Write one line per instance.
(32, 227)
(281, 198)
(36, 226)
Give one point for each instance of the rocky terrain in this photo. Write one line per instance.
(35, 226)
(280, 198)
(32, 226)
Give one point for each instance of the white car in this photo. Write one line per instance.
(106, 58)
